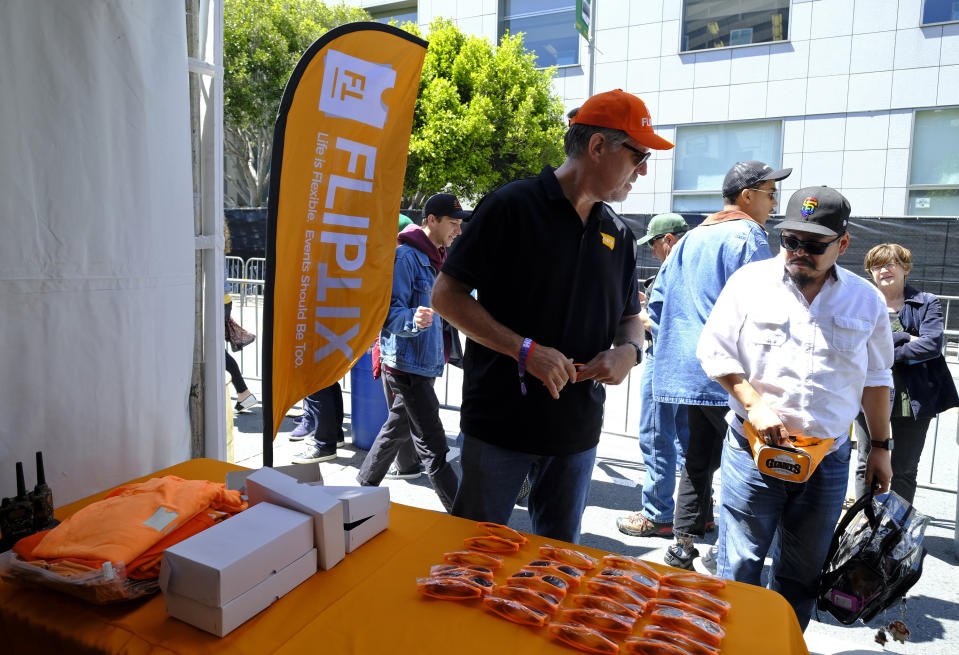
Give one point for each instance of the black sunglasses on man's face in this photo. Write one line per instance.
(791, 243)
(643, 156)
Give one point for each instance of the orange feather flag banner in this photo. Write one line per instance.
(339, 159)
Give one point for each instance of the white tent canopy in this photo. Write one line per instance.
(97, 254)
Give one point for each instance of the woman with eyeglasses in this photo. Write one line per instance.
(923, 383)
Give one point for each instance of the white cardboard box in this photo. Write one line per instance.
(236, 480)
(366, 512)
(223, 620)
(268, 485)
(230, 558)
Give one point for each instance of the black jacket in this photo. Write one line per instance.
(919, 361)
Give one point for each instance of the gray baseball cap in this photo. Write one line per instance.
(747, 174)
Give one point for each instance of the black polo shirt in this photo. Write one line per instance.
(538, 270)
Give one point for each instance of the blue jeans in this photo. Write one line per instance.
(756, 508)
(492, 477)
(663, 437)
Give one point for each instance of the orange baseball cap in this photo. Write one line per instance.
(621, 111)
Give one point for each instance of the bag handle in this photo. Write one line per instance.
(863, 503)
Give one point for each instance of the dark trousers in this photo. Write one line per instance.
(707, 429)
(231, 366)
(910, 438)
(406, 458)
(235, 376)
(323, 410)
(414, 412)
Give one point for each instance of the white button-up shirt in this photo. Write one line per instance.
(808, 361)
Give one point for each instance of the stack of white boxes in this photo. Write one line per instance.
(225, 575)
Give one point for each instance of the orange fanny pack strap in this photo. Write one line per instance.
(785, 463)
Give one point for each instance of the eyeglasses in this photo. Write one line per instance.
(654, 240)
(887, 266)
(642, 156)
(812, 247)
(773, 193)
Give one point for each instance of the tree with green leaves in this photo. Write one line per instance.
(262, 42)
(484, 116)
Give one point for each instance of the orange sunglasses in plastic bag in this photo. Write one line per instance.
(549, 584)
(688, 624)
(598, 619)
(539, 600)
(584, 638)
(472, 558)
(515, 611)
(596, 602)
(450, 588)
(688, 644)
(617, 592)
(503, 532)
(647, 587)
(569, 556)
(631, 564)
(644, 646)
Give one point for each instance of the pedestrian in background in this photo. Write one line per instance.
(922, 383)
(414, 350)
(663, 428)
(680, 301)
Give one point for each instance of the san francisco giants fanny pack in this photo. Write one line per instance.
(786, 463)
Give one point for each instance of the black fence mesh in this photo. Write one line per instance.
(933, 242)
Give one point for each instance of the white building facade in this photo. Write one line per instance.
(862, 95)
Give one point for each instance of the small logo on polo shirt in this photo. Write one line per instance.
(608, 241)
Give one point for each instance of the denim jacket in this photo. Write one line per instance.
(681, 299)
(403, 346)
(919, 362)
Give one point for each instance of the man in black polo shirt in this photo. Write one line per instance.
(555, 318)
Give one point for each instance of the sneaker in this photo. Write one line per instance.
(711, 559)
(246, 403)
(524, 490)
(314, 453)
(302, 431)
(675, 556)
(394, 473)
(637, 525)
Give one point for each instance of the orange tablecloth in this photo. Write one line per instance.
(366, 604)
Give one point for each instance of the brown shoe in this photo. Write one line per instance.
(637, 525)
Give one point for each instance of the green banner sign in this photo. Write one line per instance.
(584, 16)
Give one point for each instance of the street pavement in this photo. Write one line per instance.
(933, 604)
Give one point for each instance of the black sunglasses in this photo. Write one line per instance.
(791, 243)
(643, 156)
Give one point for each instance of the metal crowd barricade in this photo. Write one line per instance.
(621, 418)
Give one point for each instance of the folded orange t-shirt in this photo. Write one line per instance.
(133, 519)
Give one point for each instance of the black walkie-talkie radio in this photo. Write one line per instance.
(42, 499)
(16, 514)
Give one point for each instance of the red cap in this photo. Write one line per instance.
(619, 110)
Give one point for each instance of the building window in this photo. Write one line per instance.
(704, 153)
(401, 13)
(723, 23)
(934, 172)
(549, 29)
(939, 11)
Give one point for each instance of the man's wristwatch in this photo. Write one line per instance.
(887, 444)
(639, 350)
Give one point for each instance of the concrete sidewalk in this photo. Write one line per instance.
(933, 604)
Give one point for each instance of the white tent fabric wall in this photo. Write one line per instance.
(97, 246)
